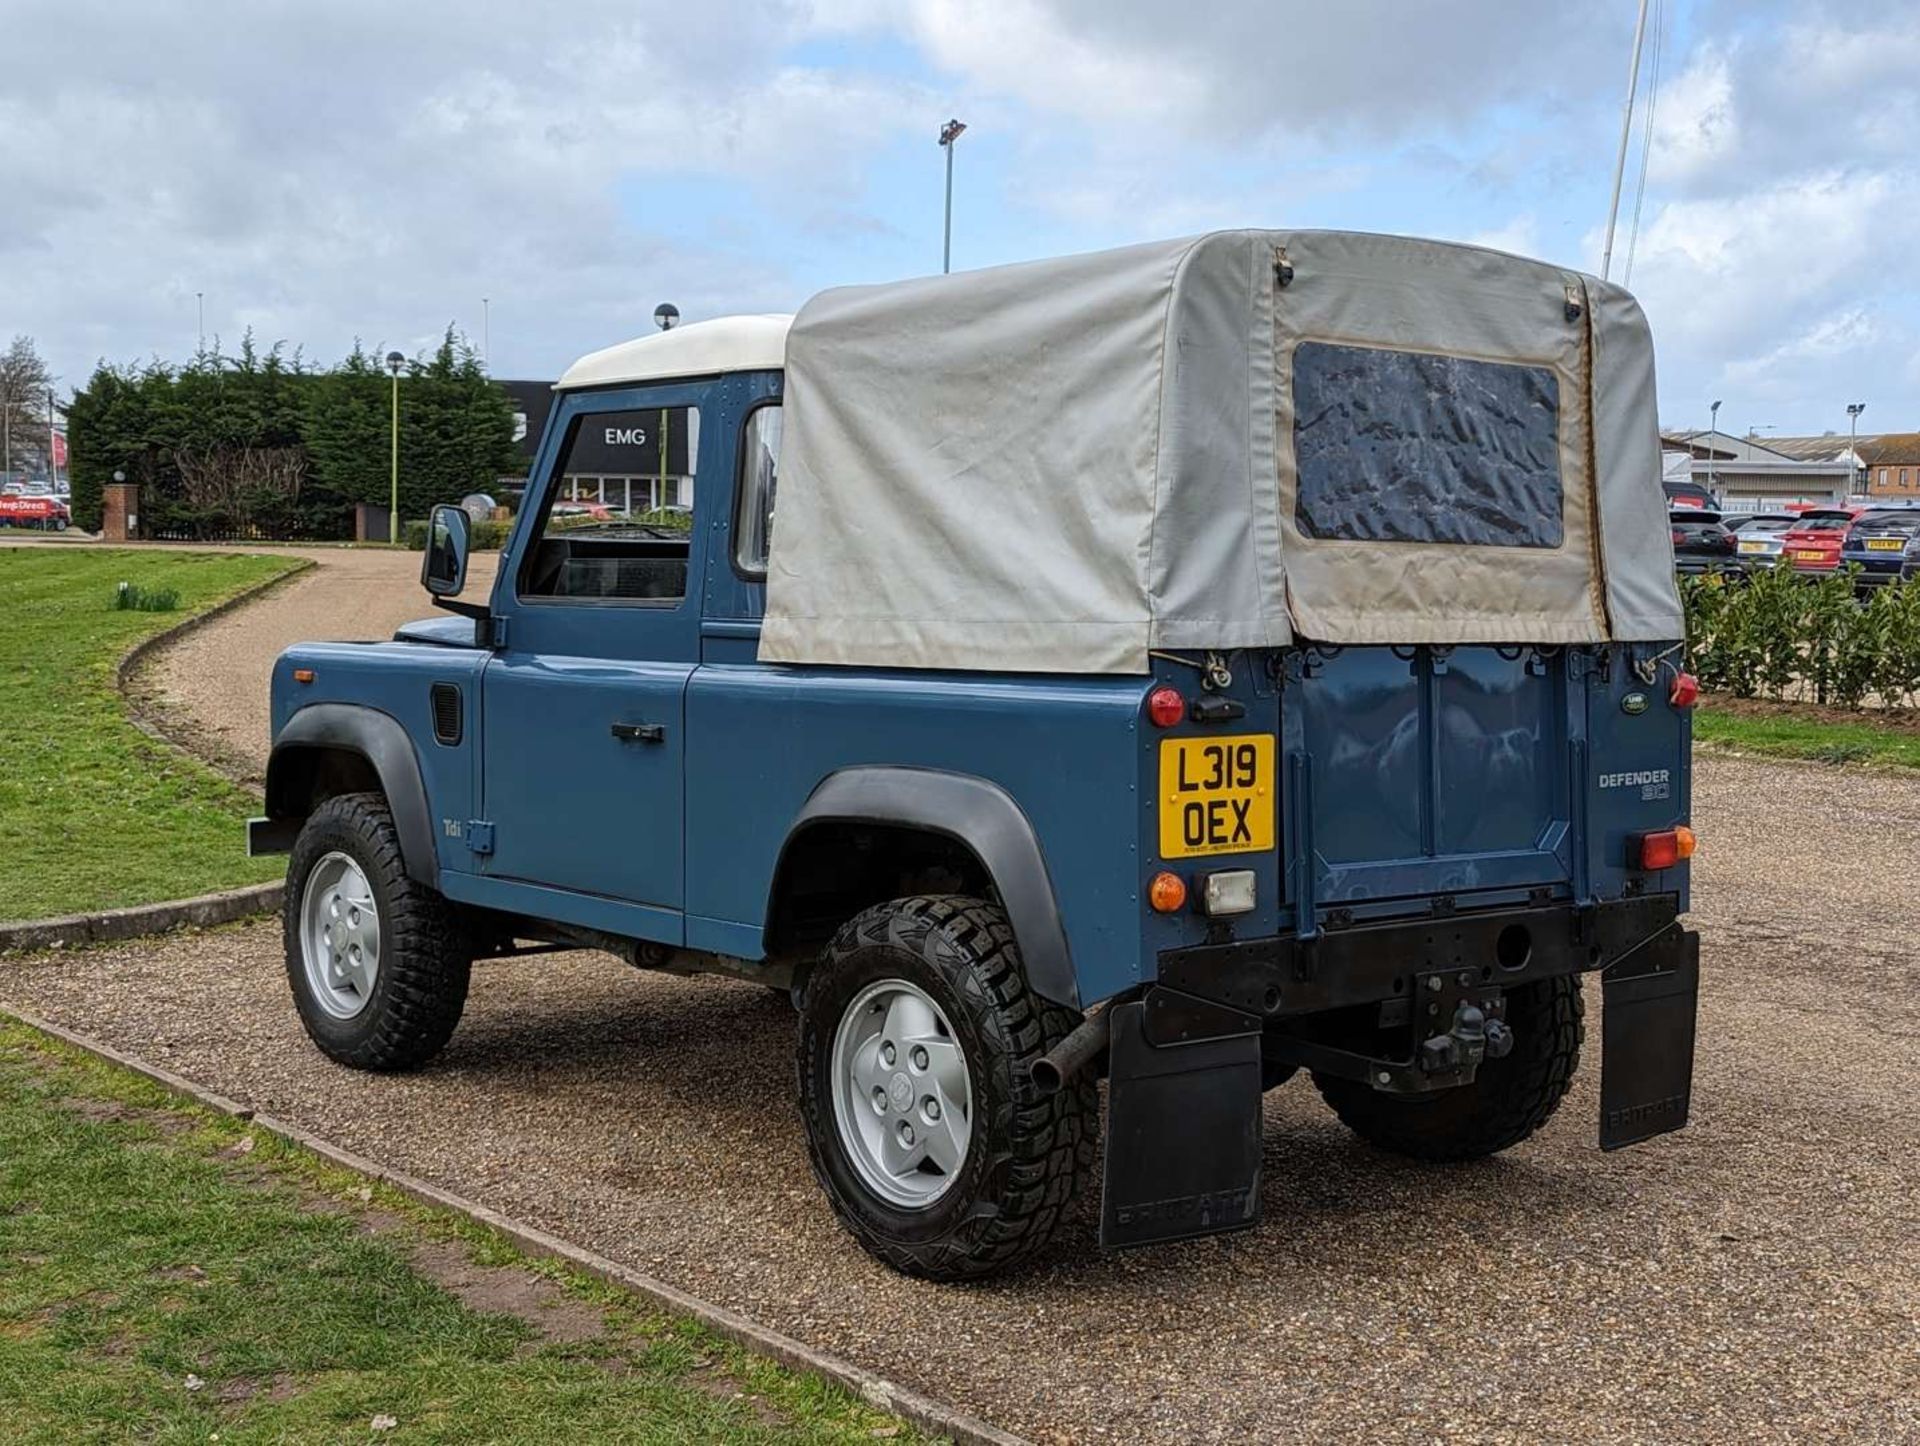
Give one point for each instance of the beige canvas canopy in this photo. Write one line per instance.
(1227, 441)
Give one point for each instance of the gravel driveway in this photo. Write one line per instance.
(212, 684)
(1756, 1277)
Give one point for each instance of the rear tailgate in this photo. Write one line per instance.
(1478, 774)
(1429, 770)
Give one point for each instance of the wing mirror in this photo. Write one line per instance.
(443, 571)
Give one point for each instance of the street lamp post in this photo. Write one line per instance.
(1854, 409)
(1713, 430)
(949, 133)
(666, 316)
(394, 362)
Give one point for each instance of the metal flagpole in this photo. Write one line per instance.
(1626, 128)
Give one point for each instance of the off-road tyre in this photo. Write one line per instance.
(1508, 1100)
(426, 959)
(1029, 1153)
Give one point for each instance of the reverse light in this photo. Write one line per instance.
(1231, 891)
(1655, 851)
(1167, 893)
(1686, 690)
(1166, 707)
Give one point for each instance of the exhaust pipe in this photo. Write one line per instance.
(1066, 1059)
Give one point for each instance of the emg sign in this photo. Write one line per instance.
(628, 443)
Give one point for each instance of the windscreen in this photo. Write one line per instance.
(1400, 446)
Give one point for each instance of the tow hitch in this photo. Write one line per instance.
(1473, 1011)
(1475, 1036)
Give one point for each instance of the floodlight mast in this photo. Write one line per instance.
(949, 133)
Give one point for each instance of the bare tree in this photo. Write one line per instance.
(24, 384)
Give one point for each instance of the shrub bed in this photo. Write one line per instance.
(1784, 635)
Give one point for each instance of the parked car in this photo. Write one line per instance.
(1702, 544)
(1757, 537)
(1813, 543)
(1877, 544)
(1006, 811)
(598, 511)
(1689, 497)
(44, 511)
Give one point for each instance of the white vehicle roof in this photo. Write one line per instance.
(1227, 441)
(696, 349)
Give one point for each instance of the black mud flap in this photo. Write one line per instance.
(1646, 1053)
(1183, 1122)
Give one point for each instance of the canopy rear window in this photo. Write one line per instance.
(1401, 446)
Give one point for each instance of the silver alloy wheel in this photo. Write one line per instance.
(902, 1098)
(339, 936)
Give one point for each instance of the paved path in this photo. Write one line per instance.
(1753, 1278)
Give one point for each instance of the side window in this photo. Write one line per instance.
(759, 468)
(619, 512)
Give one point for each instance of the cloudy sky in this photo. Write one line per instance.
(360, 168)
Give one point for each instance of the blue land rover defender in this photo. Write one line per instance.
(1183, 666)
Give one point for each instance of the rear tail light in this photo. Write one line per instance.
(1686, 690)
(1166, 707)
(1167, 893)
(1679, 538)
(1655, 851)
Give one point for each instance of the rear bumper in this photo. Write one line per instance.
(1701, 566)
(1875, 571)
(1284, 977)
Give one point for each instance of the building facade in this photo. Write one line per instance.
(1749, 475)
(626, 461)
(1892, 462)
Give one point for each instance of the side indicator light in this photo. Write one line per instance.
(1166, 707)
(1654, 851)
(303, 675)
(1686, 690)
(1167, 893)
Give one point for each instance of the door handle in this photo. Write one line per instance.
(640, 732)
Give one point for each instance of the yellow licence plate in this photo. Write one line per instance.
(1753, 547)
(1808, 555)
(1886, 544)
(1216, 795)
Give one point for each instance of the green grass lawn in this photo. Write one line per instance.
(168, 1275)
(93, 813)
(1819, 739)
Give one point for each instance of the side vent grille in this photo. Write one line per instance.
(446, 714)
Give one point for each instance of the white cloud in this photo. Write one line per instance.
(1694, 122)
(1520, 235)
(359, 169)
(1827, 338)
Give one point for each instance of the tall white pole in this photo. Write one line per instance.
(486, 332)
(1626, 129)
